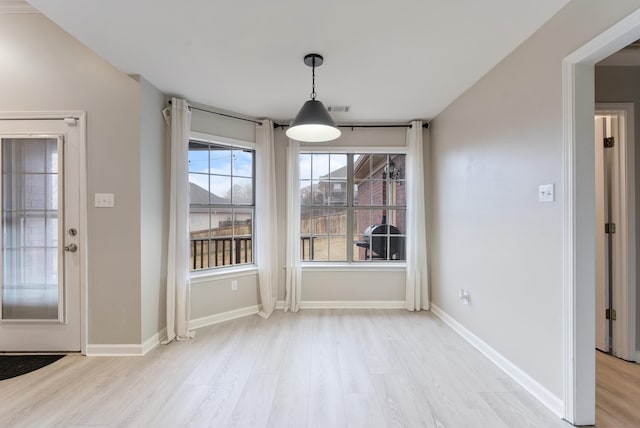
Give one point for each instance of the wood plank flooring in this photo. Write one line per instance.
(317, 368)
(617, 392)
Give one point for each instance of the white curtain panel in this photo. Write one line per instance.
(178, 281)
(293, 271)
(417, 284)
(266, 245)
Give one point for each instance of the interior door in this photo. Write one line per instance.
(608, 231)
(40, 305)
(602, 276)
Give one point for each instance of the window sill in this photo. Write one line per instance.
(222, 273)
(354, 267)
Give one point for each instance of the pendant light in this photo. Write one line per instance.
(313, 123)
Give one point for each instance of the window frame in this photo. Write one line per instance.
(350, 206)
(200, 275)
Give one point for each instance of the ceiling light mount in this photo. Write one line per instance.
(313, 123)
(310, 59)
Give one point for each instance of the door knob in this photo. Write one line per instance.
(72, 248)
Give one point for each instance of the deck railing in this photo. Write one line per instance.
(208, 253)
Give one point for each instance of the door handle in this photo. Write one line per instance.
(72, 248)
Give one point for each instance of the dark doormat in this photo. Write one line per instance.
(16, 365)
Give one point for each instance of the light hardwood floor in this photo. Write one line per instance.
(316, 368)
(617, 392)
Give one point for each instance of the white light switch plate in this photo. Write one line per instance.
(545, 193)
(104, 200)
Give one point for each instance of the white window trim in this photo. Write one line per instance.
(204, 276)
(400, 150)
(388, 266)
(215, 139)
(210, 275)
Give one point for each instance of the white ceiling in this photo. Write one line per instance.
(389, 60)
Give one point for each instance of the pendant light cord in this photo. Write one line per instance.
(313, 79)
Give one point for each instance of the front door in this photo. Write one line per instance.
(40, 254)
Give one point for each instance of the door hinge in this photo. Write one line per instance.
(609, 142)
(611, 314)
(609, 228)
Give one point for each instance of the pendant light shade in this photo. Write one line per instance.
(313, 123)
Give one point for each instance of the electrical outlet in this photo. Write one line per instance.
(464, 296)
(545, 193)
(104, 200)
(234, 285)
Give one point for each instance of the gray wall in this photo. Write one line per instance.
(491, 148)
(154, 203)
(215, 296)
(47, 69)
(621, 85)
(353, 284)
(220, 125)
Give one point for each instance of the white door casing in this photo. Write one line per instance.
(65, 329)
(578, 97)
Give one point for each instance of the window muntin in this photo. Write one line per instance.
(221, 205)
(353, 207)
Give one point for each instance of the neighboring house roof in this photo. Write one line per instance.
(340, 173)
(197, 193)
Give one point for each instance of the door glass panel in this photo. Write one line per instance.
(30, 232)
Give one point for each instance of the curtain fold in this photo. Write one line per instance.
(178, 280)
(266, 245)
(417, 281)
(293, 277)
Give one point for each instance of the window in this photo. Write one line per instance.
(221, 205)
(353, 207)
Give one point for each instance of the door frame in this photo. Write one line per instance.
(578, 102)
(624, 299)
(81, 122)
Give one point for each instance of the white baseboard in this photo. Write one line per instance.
(352, 304)
(224, 316)
(347, 304)
(128, 350)
(114, 350)
(154, 341)
(638, 357)
(541, 393)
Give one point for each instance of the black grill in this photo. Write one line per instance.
(375, 239)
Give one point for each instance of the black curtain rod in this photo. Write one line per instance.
(226, 115)
(223, 114)
(280, 125)
(425, 125)
(40, 118)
